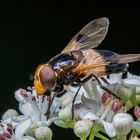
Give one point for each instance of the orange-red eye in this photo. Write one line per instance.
(47, 77)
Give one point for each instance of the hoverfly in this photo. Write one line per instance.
(79, 62)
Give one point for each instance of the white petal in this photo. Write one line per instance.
(67, 100)
(79, 110)
(90, 87)
(55, 105)
(20, 118)
(132, 82)
(89, 115)
(114, 87)
(28, 138)
(93, 91)
(136, 125)
(91, 104)
(115, 78)
(18, 96)
(51, 120)
(109, 129)
(43, 109)
(11, 121)
(100, 110)
(129, 75)
(105, 113)
(31, 110)
(40, 100)
(72, 89)
(48, 122)
(110, 116)
(22, 128)
(26, 108)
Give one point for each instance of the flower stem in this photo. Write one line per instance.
(114, 138)
(98, 135)
(121, 137)
(133, 134)
(83, 138)
(91, 137)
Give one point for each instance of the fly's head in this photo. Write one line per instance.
(45, 79)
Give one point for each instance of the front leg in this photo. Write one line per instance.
(80, 85)
(59, 91)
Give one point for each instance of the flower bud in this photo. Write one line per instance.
(82, 128)
(61, 123)
(67, 100)
(9, 113)
(122, 123)
(66, 114)
(117, 105)
(127, 93)
(2, 137)
(106, 98)
(43, 133)
(20, 94)
(137, 111)
(31, 130)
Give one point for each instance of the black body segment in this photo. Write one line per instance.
(62, 60)
(112, 64)
(62, 65)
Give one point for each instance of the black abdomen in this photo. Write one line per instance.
(112, 65)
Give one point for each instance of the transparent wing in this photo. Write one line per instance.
(98, 65)
(124, 58)
(90, 36)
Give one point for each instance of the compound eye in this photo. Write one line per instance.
(47, 77)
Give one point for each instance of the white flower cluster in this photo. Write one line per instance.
(97, 113)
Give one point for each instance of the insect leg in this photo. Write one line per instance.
(124, 75)
(73, 101)
(58, 92)
(50, 103)
(104, 88)
(81, 83)
(104, 80)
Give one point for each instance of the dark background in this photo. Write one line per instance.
(33, 32)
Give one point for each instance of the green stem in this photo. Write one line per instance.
(133, 134)
(101, 136)
(114, 138)
(121, 137)
(91, 137)
(83, 138)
